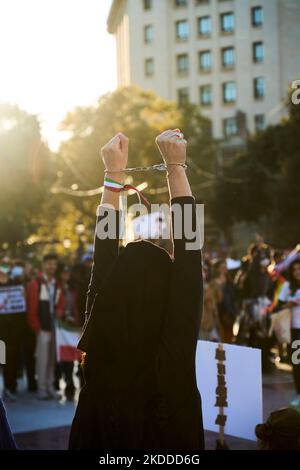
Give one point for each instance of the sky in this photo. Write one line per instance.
(54, 56)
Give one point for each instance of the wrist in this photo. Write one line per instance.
(174, 170)
(119, 176)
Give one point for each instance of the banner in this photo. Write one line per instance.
(12, 299)
(236, 370)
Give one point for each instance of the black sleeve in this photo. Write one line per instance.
(182, 323)
(179, 412)
(106, 250)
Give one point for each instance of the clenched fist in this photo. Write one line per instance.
(172, 146)
(115, 153)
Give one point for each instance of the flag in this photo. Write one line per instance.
(67, 337)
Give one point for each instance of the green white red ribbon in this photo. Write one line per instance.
(117, 187)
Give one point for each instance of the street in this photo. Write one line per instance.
(45, 425)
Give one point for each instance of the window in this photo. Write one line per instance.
(259, 87)
(148, 34)
(206, 95)
(228, 57)
(182, 30)
(258, 52)
(260, 122)
(229, 92)
(257, 15)
(180, 3)
(227, 22)
(147, 4)
(183, 96)
(204, 26)
(182, 63)
(149, 67)
(230, 127)
(201, 2)
(205, 61)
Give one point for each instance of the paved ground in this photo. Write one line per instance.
(46, 425)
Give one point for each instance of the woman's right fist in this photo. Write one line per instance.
(115, 153)
(172, 146)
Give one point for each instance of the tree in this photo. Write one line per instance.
(141, 115)
(24, 176)
(269, 189)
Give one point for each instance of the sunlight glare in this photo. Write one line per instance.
(55, 55)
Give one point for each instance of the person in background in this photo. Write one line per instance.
(17, 278)
(81, 274)
(29, 336)
(282, 264)
(42, 297)
(256, 289)
(11, 330)
(278, 278)
(289, 297)
(6, 264)
(253, 279)
(224, 295)
(281, 431)
(68, 312)
(209, 330)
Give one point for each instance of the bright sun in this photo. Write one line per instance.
(55, 55)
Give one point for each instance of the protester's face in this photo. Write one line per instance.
(65, 276)
(50, 267)
(296, 272)
(223, 269)
(28, 269)
(88, 264)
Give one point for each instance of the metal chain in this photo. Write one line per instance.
(159, 167)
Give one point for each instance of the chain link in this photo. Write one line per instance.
(158, 167)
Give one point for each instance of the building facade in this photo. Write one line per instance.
(232, 57)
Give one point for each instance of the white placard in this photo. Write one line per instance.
(12, 299)
(244, 388)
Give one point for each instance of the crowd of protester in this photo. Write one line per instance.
(241, 295)
(54, 290)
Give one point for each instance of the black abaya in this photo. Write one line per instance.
(140, 338)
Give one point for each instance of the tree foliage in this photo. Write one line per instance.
(24, 176)
(29, 173)
(269, 190)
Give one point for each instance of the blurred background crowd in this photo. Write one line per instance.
(53, 290)
(241, 297)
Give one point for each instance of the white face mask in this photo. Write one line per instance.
(265, 262)
(17, 271)
(4, 269)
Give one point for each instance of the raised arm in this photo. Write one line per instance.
(186, 287)
(284, 265)
(172, 147)
(106, 244)
(180, 402)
